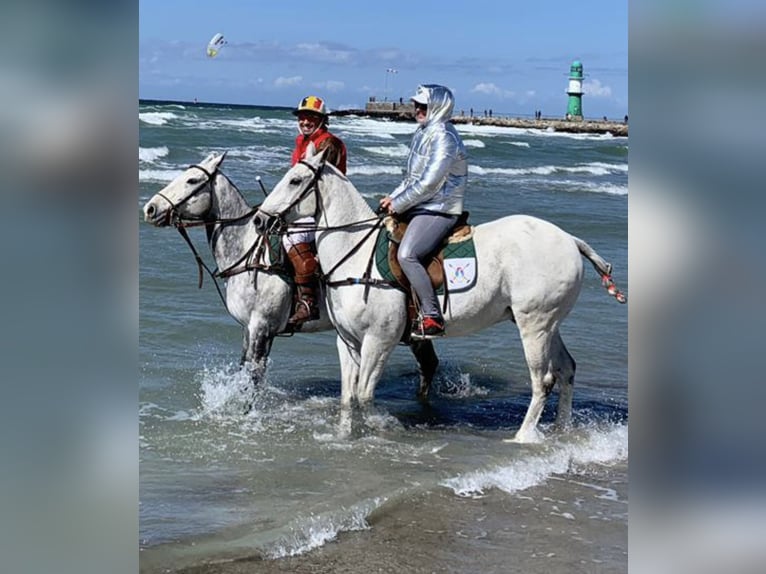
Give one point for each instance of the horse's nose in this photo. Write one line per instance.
(149, 212)
(262, 221)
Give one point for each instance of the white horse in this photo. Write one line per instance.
(258, 296)
(529, 272)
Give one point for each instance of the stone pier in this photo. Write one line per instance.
(405, 112)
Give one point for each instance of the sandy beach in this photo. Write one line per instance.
(571, 524)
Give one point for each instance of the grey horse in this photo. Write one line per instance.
(258, 296)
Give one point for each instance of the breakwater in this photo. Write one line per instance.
(405, 113)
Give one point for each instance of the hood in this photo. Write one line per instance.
(440, 101)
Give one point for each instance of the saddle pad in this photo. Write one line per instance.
(460, 266)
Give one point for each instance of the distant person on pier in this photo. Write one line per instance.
(430, 198)
(312, 127)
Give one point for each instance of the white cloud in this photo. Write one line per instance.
(594, 89)
(484, 88)
(282, 82)
(490, 89)
(323, 53)
(329, 86)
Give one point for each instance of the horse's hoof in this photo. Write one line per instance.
(530, 437)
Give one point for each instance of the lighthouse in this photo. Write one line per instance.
(574, 91)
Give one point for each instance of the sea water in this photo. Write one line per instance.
(422, 487)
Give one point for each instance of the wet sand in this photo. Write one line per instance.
(571, 524)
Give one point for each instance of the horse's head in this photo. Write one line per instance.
(294, 196)
(188, 197)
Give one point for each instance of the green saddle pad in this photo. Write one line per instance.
(458, 259)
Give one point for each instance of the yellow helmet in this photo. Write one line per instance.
(311, 104)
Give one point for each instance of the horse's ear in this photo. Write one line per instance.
(218, 160)
(313, 155)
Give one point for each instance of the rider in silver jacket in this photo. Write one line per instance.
(430, 197)
(437, 167)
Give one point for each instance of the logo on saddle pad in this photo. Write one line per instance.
(455, 261)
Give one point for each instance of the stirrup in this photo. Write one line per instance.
(427, 328)
(304, 311)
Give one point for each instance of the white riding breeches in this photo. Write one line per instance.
(296, 235)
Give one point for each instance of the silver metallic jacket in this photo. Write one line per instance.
(437, 167)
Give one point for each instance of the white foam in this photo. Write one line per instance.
(372, 128)
(160, 175)
(591, 186)
(150, 154)
(316, 530)
(224, 392)
(503, 130)
(519, 144)
(374, 170)
(458, 386)
(156, 118)
(598, 445)
(473, 143)
(593, 168)
(399, 150)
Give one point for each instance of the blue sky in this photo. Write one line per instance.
(510, 57)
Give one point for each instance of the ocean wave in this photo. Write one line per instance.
(596, 445)
(315, 531)
(593, 168)
(397, 151)
(374, 170)
(473, 143)
(156, 118)
(160, 175)
(150, 154)
(519, 144)
(594, 187)
(372, 127)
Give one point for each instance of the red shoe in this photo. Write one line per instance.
(428, 328)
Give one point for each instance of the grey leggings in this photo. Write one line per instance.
(423, 235)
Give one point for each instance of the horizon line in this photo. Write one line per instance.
(210, 104)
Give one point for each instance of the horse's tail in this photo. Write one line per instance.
(602, 268)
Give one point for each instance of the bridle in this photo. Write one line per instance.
(276, 223)
(266, 222)
(174, 218)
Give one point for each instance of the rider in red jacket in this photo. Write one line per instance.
(300, 246)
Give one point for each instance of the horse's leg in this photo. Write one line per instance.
(427, 364)
(374, 354)
(255, 355)
(349, 377)
(536, 340)
(245, 347)
(564, 371)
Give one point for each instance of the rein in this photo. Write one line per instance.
(181, 225)
(367, 278)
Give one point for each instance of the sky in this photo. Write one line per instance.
(510, 57)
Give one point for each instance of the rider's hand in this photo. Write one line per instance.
(385, 206)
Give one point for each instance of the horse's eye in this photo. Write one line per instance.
(295, 181)
(194, 180)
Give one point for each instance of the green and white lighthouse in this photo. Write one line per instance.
(574, 91)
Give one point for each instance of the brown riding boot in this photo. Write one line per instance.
(305, 264)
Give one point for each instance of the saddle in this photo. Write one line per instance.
(460, 232)
(458, 239)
